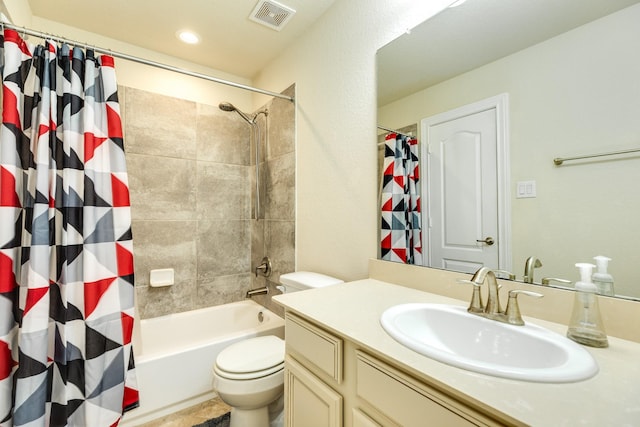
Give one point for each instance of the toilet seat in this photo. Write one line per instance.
(251, 359)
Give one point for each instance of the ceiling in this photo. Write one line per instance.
(476, 33)
(230, 42)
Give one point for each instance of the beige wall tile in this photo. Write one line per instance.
(280, 184)
(192, 186)
(164, 244)
(161, 187)
(258, 247)
(281, 128)
(223, 191)
(224, 248)
(222, 137)
(154, 302)
(223, 290)
(280, 245)
(159, 125)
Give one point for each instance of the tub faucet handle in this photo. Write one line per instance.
(264, 268)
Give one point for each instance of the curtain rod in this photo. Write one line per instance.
(139, 60)
(394, 131)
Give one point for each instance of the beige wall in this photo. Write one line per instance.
(333, 65)
(574, 94)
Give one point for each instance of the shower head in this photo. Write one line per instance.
(227, 106)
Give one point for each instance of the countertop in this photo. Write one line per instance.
(611, 398)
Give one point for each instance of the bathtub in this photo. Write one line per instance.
(175, 354)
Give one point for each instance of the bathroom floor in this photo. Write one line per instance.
(192, 416)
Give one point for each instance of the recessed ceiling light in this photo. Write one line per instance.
(188, 36)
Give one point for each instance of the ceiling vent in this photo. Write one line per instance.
(272, 14)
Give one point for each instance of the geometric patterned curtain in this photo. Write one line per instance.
(401, 231)
(66, 254)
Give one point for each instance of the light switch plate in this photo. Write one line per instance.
(526, 189)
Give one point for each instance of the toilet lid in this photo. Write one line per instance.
(252, 356)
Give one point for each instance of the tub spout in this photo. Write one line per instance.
(257, 291)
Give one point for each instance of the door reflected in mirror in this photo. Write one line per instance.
(571, 75)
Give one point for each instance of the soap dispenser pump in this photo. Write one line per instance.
(585, 326)
(602, 279)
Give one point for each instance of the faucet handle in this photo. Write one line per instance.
(547, 280)
(264, 268)
(508, 274)
(476, 305)
(512, 313)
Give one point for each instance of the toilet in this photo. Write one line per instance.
(249, 375)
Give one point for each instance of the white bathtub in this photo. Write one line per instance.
(175, 354)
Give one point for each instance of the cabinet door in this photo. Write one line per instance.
(362, 420)
(308, 401)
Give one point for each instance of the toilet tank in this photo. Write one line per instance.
(301, 280)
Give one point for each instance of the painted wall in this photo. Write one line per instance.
(333, 66)
(574, 94)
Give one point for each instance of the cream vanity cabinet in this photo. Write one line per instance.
(331, 382)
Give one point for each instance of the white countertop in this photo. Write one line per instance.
(611, 398)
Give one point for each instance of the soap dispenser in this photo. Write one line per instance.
(602, 279)
(585, 326)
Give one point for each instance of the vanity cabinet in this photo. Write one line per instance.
(310, 401)
(331, 381)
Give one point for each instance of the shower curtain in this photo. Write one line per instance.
(66, 255)
(401, 233)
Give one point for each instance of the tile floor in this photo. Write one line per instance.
(192, 416)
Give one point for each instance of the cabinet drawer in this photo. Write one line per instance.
(316, 345)
(403, 399)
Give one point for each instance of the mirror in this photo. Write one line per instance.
(572, 74)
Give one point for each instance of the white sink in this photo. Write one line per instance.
(453, 336)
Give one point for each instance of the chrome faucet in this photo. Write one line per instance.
(531, 263)
(492, 309)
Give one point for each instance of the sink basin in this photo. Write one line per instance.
(453, 336)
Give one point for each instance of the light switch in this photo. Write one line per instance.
(526, 189)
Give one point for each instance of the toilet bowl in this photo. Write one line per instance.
(249, 375)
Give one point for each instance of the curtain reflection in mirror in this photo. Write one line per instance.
(401, 231)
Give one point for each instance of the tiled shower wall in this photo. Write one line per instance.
(191, 179)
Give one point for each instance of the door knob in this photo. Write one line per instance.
(489, 241)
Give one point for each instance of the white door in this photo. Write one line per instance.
(463, 190)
